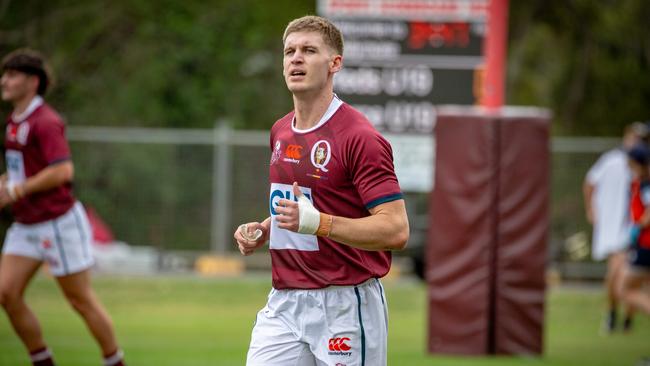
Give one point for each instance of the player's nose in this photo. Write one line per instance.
(297, 57)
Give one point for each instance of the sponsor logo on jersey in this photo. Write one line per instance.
(286, 239)
(12, 131)
(339, 347)
(276, 152)
(16, 168)
(321, 155)
(293, 154)
(18, 132)
(280, 191)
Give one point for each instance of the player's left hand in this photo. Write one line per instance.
(301, 217)
(288, 213)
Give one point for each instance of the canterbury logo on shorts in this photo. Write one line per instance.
(338, 344)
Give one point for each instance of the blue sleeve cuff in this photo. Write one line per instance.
(60, 160)
(380, 200)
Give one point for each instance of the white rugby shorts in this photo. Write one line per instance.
(337, 325)
(64, 242)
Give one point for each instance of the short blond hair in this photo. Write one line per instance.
(311, 23)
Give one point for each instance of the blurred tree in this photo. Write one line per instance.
(159, 63)
(156, 63)
(186, 63)
(588, 61)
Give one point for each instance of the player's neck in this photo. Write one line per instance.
(21, 104)
(310, 109)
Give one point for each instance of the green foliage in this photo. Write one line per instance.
(160, 63)
(587, 61)
(155, 195)
(186, 63)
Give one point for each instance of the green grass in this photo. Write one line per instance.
(194, 321)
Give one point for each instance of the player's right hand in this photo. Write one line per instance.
(250, 236)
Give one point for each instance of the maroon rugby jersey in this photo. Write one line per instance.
(33, 142)
(345, 167)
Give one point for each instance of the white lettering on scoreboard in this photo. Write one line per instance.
(402, 58)
(393, 81)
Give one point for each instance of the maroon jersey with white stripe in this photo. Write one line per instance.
(31, 144)
(345, 167)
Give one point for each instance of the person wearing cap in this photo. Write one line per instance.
(50, 225)
(637, 272)
(606, 199)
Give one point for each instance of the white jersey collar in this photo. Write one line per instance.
(333, 107)
(36, 102)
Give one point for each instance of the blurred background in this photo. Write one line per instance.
(168, 104)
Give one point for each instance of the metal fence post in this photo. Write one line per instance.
(221, 187)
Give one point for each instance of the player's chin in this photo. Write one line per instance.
(296, 87)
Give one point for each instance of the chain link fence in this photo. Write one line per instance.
(186, 190)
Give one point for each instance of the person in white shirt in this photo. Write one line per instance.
(606, 196)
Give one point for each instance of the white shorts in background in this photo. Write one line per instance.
(334, 326)
(64, 242)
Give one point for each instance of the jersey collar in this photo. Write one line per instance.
(333, 107)
(36, 102)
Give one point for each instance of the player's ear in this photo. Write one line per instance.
(336, 64)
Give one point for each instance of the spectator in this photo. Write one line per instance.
(606, 196)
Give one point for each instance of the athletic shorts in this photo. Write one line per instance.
(337, 325)
(639, 259)
(64, 242)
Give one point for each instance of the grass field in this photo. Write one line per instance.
(196, 321)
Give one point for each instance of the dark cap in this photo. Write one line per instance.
(30, 62)
(640, 154)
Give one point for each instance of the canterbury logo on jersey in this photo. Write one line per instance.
(338, 344)
(293, 152)
(18, 132)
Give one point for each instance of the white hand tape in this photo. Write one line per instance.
(308, 215)
(243, 229)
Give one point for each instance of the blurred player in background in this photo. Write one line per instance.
(637, 273)
(336, 213)
(606, 197)
(50, 225)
